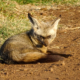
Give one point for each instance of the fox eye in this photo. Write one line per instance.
(49, 36)
(37, 27)
(46, 37)
(42, 37)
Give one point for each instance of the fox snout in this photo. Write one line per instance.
(44, 40)
(45, 43)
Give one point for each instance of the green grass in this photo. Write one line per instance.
(11, 27)
(10, 21)
(47, 1)
(66, 1)
(33, 1)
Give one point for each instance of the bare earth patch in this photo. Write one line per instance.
(67, 42)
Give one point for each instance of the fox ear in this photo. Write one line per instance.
(55, 24)
(32, 20)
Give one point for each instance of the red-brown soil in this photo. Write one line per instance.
(67, 42)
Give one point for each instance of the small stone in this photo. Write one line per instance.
(21, 69)
(39, 74)
(57, 78)
(51, 69)
(54, 66)
(63, 63)
(48, 78)
(38, 63)
(25, 69)
(31, 72)
(5, 73)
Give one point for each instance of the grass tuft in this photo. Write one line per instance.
(47, 1)
(33, 1)
(11, 27)
(11, 21)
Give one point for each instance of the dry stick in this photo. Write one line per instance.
(72, 28)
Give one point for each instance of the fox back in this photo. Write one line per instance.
(31, 45)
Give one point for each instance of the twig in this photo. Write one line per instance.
(72, 28)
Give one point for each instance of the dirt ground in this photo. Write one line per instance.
(66, 42)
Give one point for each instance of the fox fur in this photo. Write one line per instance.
(32, 45)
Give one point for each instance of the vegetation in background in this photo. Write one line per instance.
(47, 1)
(33, 1)
(66, 1)
(11, 21)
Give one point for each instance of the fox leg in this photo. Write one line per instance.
(33, 56)
(27, 57)
(16, 56)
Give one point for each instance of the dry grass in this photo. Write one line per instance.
(11, 21)
(48, 2)
(11, 27)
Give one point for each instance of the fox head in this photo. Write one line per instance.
(44, 32)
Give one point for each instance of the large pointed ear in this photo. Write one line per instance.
(32, 20)
(55, 24)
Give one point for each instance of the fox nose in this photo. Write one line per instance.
(45, 43)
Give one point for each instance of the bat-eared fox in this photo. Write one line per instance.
(32, 45)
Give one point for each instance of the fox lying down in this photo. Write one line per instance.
(32, 45)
